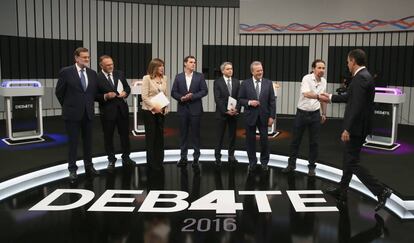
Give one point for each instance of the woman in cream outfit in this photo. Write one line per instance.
(153, 83)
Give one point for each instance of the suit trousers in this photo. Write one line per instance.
(251, 143)
(154, 139)
(122, 124)
(73, 129)
(189, 124)
(310, 120)
(351, 165)
(231, 121)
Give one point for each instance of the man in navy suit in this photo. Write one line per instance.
(188, 89)
(357, 125)
(224, 87)
(114, 110)
(76, 90)
(257, 96)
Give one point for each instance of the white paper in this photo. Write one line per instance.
(231, 103)
(160, 100)
(119, 87)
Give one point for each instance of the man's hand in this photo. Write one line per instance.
(123, 94)
(187, 97)
(323, 119)
(270, 122)
(324, 97)
(345, 136)
(109, 95)
(232, 112)
(254, 103)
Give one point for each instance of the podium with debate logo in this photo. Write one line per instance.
(23, 101)
(385, 125)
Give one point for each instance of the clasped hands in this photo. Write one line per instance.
(186, 97)
(111, 95)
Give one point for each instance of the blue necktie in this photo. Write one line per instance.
(83, 79)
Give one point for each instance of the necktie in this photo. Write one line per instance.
(111, 80)
(229, 86)
(83, 79)
(258, 88)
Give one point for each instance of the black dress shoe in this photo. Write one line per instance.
(90, 171)
(195, 164)
(182, 162)
(111, 166)
(382, 198)
(233, 160)
(338, 193)
(311, 172)
(73, 176)
(289, 169)
(127, 161)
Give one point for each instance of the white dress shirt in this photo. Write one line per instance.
(311, 84)
(188, 79)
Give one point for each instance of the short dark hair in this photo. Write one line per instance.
(78, 51)
(188, 57)
(316, 62)
(359, 56)
(103, 57)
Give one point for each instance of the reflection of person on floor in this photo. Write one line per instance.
(302, 224)
(310, 114)
(225, 87)
(357, 125)
(344, 228)
(257, 96)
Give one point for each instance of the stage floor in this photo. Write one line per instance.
(354, 222)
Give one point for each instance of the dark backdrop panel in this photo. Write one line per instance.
(131, 58)
(279, 63)
(34, 58)
(392, 64)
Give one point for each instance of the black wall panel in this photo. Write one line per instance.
(279, 63)
(34, 58)
(393, 64)
(131, 58)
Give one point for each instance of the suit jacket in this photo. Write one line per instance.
(71, 96)
(199, 89)
(108, 108)
(267, 107)
(221, 95)
(359, 104)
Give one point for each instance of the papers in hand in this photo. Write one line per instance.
(160, 100)
(231, 103)
(119, 87)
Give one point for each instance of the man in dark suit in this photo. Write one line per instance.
(224, 87)
(257, 96)
(76, 90)
(357, 125)
(188, 89)
(114, 110)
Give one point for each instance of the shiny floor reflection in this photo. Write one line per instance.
(354, 222)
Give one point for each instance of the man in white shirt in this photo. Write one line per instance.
(309, 116)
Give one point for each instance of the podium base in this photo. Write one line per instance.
(10, 142)
(382, 147)
(138, 133)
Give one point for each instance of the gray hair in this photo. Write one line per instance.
(255, 63)
(224, 64)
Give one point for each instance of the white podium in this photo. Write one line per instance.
(23, 101)
(139, 129)
(384, 127)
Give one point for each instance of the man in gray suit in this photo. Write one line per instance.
(257, 96)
